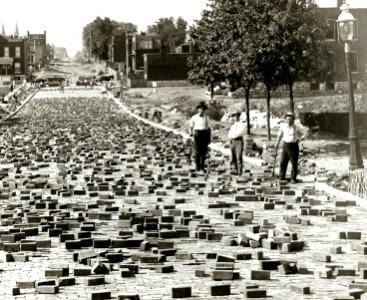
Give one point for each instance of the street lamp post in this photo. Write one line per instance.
(345, 27)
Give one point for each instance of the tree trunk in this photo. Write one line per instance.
(291, 101)
(211, 90)
(247, 90)
(268, 113)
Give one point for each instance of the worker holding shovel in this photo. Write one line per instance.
(291, 135)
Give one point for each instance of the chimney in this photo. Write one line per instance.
(339, 3)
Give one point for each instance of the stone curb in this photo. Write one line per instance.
(22, 105)
(322, 186)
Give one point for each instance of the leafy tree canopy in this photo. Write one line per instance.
(97, 34)
(172, 33)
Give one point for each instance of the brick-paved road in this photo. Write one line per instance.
(75, 157)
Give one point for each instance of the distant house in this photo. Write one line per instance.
(60, 53)
(137, 46)
(358, 53)
(117, 53)
(37, 56)
(144, 59)
(13, 58)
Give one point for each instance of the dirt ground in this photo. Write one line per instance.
(324, 150)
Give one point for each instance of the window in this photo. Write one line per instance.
(17, 68)
(146, 44)
(330, 33)
(6, 51)
(17, 51)
(330, 86)
(314, 86)
(330, 63)
(354, 62)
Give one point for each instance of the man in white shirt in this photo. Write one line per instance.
(291, 135)
(235, 136)
(199, 129)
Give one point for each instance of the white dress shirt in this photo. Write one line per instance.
(237, 130)
(291, 134)
(198, 122)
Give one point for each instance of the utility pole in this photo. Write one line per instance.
(90, 45)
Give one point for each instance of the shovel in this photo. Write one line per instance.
(275, 159)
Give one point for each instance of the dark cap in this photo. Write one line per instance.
(202, 105)
(237, 112)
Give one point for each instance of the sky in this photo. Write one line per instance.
(64, 20)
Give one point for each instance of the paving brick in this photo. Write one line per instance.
(28, 284)
(260, 275)
(254, 293)
(66, 281)
(220, 290)
(48, 289)
(85, 271)
(128, 296)
(345, 272)
(300, 289)
(96, 280)
(100, 295)
(164, 269)
(181, 292)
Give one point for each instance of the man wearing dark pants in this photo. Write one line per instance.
(291, 135)
(199, 129)
(235, 136)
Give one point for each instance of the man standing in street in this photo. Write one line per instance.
(291, 135)
(199, 129)
(235, 136)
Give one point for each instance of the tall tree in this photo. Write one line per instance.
(270, 41)
(97, 34)
(206, 68)
(172, 33)
(302, 34)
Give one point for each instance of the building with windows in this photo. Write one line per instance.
(137, 45)
(117, 53)
(337, 57)
(13, 58)
(37, 56)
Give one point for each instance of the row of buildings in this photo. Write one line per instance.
(145, 61)
(21, 55)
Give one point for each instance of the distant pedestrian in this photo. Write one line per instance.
(62, 86)
(200, 130)
(11, 86)
(236, 135)
(291, 135)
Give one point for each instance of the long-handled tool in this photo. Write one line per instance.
(275, 159)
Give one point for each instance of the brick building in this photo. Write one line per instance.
(13, 58)
(358, 53)
(117, 53)
(137, 45)
(37, 56)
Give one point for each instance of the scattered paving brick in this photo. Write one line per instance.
(126, 209)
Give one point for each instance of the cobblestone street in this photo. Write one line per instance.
(98, 205)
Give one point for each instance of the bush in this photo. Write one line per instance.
(337, 123)
(215, 111)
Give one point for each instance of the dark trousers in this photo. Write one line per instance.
(236, 154)
(202, 139)
(290, 153)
